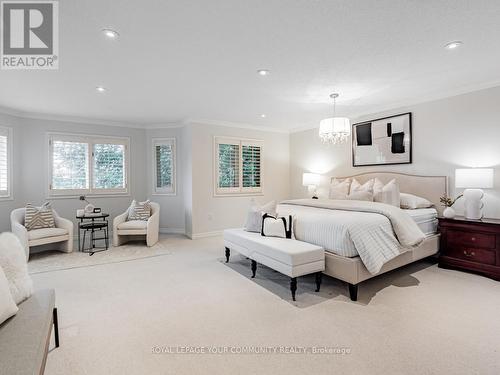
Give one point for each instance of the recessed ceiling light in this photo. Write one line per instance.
(263, 72)
(110, 33)
(263, 115)
(101, 89)
(453, 45)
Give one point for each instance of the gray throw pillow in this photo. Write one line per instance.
(254, 216)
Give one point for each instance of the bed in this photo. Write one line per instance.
(349, 256)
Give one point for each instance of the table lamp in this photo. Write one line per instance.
(311, 180)
(473, 180)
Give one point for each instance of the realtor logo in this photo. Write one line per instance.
(30, 37)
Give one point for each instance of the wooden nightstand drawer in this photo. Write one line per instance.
(482, 240)
(472, 254)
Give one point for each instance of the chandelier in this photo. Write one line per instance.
(334, 130)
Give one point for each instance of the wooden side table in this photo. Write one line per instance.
(471, 245)
(94, 223)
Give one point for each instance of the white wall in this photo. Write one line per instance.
(460, 131)
(213, 214)
(30, 169)
(172, 216)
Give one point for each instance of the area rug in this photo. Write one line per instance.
(49, 261)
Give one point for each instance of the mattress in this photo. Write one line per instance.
(426, 219)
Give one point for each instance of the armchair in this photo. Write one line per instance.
(124, 230)
(61, 236)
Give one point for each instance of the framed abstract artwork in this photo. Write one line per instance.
(383, 141)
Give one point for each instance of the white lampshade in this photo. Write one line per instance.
(310, 179)
(334, 125)
(474, 178)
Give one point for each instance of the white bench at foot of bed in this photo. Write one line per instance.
(290, 257)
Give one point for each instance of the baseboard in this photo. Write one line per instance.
(196, 236)
(172, 231)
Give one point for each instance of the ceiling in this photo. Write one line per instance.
(197, 59)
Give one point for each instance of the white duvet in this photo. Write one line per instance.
(376, 232)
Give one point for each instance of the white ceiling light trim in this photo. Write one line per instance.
(110, 33)
(263, 72)
(453, 45)
(101, 89)
(334, 130)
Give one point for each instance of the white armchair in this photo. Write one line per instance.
(124, 230)
(61, 236)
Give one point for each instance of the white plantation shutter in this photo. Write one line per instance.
(87, 165)
(70, 167)
(108, 166)
(238, 166)
(164, 166)
(251, 166)
(5, 142)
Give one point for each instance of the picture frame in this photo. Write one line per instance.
(382, 141)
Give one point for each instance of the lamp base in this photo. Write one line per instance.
(473, 204)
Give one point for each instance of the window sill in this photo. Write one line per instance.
(227, 195)
(91, 196)
(6, 198)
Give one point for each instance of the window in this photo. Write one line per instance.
(5, 162)
(164, 166)
(238, 166)
(87, 165)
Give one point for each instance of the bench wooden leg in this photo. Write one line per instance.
(228, 252)
(254, 268)
(293, 287)
(319, 276)
(56, 326)
(353, 292)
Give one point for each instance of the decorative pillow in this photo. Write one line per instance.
(412, 202)
(7, 305)
(13, 263)
(139, 210)
(388, 194)
(360, 196)
(277, 226)
(366, 187)
(339, 189)
(254, 216)
(39, 217)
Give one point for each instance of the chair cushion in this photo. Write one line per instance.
(37, 234)
(133, 225)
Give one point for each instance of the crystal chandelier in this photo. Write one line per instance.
(334, 130)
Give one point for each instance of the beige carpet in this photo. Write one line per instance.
(416, 320)
(55, 260)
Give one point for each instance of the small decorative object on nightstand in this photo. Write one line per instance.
(449, 211)
(311, 180)
(471, 245)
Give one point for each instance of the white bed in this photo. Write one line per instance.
(334, 231)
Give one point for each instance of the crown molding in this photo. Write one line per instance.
(404, 105)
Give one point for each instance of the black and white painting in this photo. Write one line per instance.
(382, 141)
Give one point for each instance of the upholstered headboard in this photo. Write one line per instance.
(429, 187)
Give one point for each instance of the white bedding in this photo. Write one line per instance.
(352, 228)
(426, 219)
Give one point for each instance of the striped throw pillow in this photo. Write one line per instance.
(39, 217)
(139, 211)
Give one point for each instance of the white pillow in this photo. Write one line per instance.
(388, 194)
(360, 196)
(139, 210)
(7, 305)
(277, 226)
(339, 189)
(254, 215)
(412, 202)
(366, 187)
(13, 262)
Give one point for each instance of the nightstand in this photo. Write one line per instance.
(470, 245)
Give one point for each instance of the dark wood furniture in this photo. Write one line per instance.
(93, 223)
(471, 245)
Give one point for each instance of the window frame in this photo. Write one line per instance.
(240, 190)
(7, 194)
(90, 140)
(171, 141)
